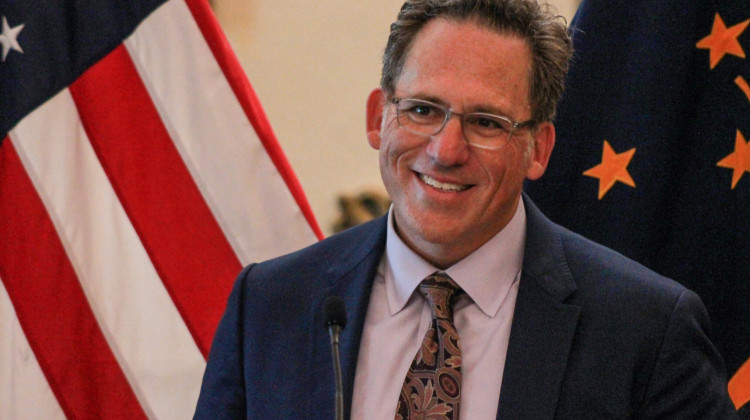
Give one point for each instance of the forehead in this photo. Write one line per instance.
(465, 63)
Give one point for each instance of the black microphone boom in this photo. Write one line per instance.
(334, 314)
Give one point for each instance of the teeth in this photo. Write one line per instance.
(441, 185)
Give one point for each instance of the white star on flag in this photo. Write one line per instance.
(8, 38)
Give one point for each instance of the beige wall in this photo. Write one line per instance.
(312, 64)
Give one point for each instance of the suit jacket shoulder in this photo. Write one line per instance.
(596, 335)
(270, 357)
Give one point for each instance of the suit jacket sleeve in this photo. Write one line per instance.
(684, 382)
(222, 393)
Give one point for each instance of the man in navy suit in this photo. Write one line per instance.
(551, 325)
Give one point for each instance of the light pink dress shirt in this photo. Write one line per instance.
(398, 318)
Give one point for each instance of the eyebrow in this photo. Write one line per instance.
(433, 99)
(491, 110)
(482, 108)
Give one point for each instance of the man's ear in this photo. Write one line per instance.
(544, 142)
(375, 107)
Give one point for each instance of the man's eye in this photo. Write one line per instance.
(487, 125)
(422, 110)
(424, 114)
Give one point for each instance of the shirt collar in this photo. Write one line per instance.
(486, 275)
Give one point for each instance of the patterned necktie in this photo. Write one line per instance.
(432, 388)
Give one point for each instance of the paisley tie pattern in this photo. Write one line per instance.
(432, 388)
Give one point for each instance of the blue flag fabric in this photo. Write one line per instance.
(652, 156)
(80, 31)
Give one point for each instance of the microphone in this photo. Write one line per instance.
(334, 314)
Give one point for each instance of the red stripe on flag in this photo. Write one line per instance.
(48, 301)
(180, 234)
(247, 98)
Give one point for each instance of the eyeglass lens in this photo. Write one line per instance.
(427, 119)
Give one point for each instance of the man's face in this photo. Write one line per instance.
(449, 197)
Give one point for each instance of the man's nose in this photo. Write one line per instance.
(449, 146)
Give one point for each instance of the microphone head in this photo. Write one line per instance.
(334, 312)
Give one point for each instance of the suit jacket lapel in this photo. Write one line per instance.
(541, 334)
(350, 275)
(543, 325)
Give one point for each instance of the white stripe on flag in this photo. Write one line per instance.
(134, 311)
(27, 394)
(241, 185)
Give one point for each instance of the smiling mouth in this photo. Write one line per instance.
(443, 186)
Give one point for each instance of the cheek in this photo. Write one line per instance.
(507, 168)
(519, 155)
(396, 151)
(390, 155)
(386, 166)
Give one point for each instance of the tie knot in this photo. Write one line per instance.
(441, 292)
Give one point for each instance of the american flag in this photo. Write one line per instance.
(138, 174)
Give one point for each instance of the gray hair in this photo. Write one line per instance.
(545, 32)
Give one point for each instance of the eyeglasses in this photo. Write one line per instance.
(425, 118)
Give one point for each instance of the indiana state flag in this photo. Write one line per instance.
(653, 151)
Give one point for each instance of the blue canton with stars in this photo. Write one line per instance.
(46, 44)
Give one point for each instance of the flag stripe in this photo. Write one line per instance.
(241, 87)
(153, 185)
(215, 138)
(66, 355)
(134, 311)
(27, 395)
(207, 133)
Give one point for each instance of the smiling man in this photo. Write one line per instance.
(456, 182)
(465, 301)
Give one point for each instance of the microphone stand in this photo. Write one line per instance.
(334, 330)
(334, 314)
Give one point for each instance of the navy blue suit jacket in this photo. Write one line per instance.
(594, 335)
